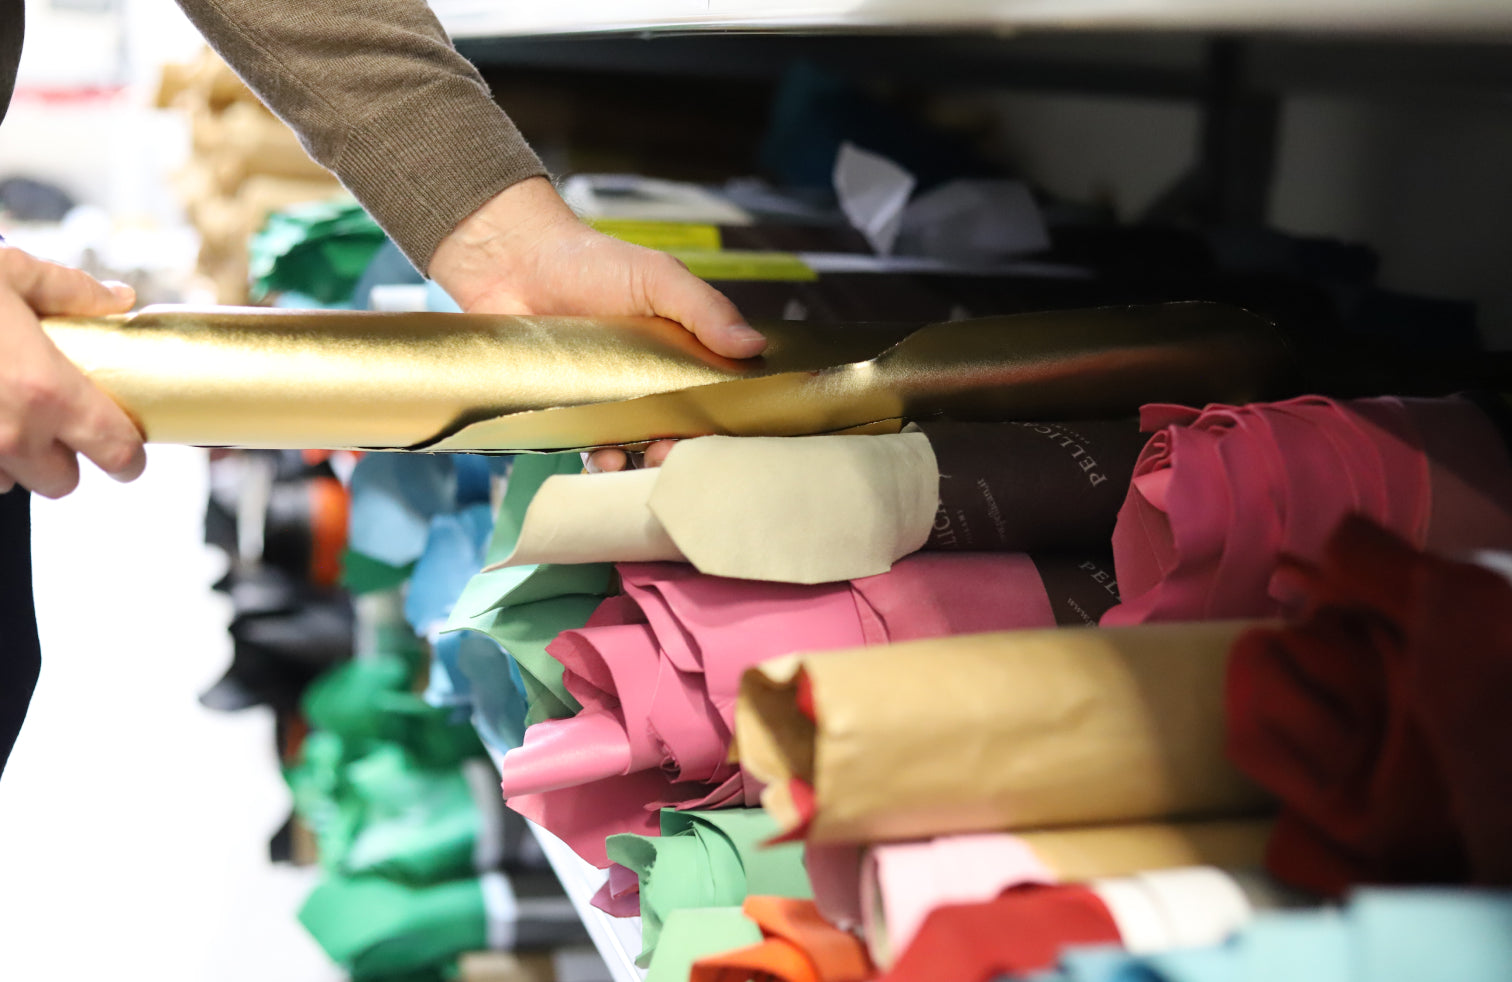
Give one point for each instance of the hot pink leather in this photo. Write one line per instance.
(1220, 495)
(657, 671)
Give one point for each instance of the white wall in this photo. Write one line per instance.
(1429, 184)
(1122, 152)
(108, 149)
(1425, 182)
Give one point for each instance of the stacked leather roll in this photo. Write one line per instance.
(244, 164)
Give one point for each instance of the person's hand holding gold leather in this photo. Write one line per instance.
(525, 252)
(49, 412)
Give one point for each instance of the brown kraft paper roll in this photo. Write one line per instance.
(1013, 730)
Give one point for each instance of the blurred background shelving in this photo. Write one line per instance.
(1382, 124)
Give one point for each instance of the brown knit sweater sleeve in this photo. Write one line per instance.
(377, 94)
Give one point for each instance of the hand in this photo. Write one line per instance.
(613, 459)
(525, 252)
(49, 412)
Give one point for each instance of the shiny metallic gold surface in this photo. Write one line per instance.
(255, 377)
(1058, 365)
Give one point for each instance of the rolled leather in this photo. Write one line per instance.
(261, 377)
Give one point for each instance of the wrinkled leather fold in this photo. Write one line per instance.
(257, 377)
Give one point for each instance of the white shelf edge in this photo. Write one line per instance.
(1470, 19)
(618, 939)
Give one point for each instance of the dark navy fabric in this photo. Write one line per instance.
(20, 655)
(12, 27)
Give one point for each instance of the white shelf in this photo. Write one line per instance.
(618, 939)
(1471, 19)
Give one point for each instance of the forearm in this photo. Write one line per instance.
(379, 96)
